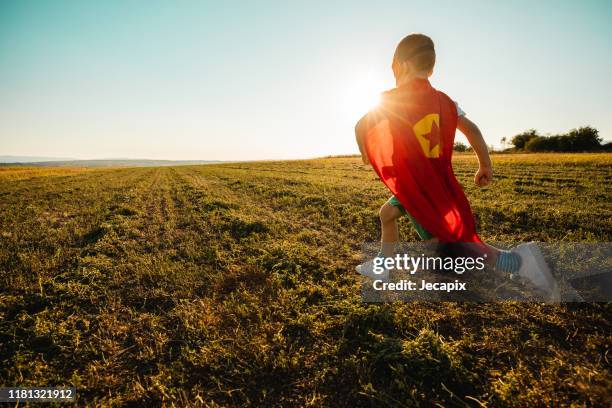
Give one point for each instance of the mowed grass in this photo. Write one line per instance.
(233, 285)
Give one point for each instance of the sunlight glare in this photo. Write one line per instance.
(361, 92)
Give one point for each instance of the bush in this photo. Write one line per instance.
(583, 139)
(519, 141)
(460, 147)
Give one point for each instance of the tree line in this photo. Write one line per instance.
(582, 139)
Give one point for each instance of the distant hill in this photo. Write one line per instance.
(56, 162)
(31, 159)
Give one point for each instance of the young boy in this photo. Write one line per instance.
(408, 139)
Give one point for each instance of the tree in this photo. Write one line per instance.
(583, 139)
(540, 144)
(503, 141)
(519, 141)
(460, 147)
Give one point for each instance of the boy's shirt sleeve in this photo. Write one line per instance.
(460, 112)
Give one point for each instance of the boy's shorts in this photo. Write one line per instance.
(423, 233)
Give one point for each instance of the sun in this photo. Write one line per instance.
(361, 92)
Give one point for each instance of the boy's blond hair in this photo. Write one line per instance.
(418, 50)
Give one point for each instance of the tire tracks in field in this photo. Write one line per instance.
(111, 289)
(220, 204)
(284, 224)
(61, 281)
(155, 261)
(50, 230)
(75, 201)
(297, 204)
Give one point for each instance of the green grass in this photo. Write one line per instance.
(233, 285)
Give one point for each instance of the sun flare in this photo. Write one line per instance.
(362, 93)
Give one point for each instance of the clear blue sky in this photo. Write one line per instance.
(262, 80)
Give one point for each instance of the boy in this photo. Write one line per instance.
(408, 139)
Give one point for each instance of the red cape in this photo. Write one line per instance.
(410, 145)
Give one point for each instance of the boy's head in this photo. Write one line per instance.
(414, 56)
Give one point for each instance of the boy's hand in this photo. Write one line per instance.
(483, 176)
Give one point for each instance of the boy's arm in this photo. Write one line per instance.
(360, 133)
(484, 175)
(363, 126)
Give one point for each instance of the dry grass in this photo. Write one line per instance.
(233, 285)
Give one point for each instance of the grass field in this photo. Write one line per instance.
(233, 285)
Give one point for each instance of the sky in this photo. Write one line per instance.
(226, 80)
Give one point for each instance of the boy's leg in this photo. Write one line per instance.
(392, 210)
(389, 214)
(425, 235)
(501, 260)
(390, 236)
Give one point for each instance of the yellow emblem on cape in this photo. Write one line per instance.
(427, 132)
